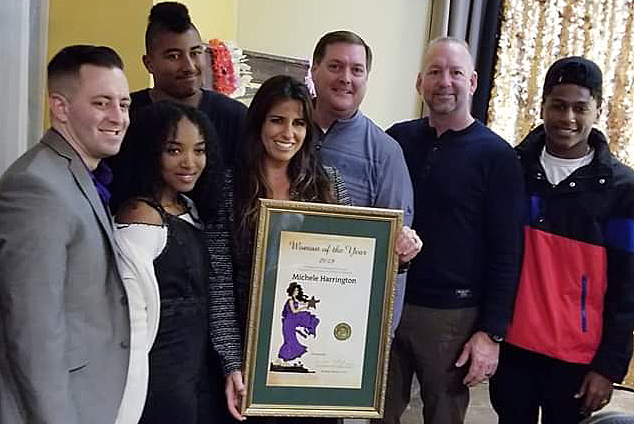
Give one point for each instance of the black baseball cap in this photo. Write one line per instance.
(575, 70)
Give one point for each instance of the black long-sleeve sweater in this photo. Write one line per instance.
(469, 210)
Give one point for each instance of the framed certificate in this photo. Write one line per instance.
(320, 310)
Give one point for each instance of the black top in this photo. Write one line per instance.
(181, 267)
(468, 198)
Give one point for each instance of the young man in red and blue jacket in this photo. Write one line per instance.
(571, 333)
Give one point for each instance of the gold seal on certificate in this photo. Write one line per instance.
(342, 331)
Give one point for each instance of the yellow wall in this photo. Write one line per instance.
(121, 25)
(396, 31)
(213, 18)
(113, 23)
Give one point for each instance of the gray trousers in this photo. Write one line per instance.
(428, 342)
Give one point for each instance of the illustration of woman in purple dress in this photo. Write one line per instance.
(296, 320)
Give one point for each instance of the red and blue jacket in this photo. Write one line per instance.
(575, 300)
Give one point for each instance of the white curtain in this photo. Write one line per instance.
(23, 41)
(458, 18)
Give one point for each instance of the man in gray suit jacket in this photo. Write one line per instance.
(64, 323)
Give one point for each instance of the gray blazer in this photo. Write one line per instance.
(64, 323)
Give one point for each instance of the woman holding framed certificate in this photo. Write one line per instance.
(277, 160)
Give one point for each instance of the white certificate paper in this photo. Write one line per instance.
(320, 321)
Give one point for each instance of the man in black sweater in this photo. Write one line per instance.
(175, 56)
(468, 192)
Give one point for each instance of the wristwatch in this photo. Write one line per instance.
(495, 337)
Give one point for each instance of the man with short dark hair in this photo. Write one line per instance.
(348, 37)
(370, 161)
(571, 333)
(468, 199)
(64, 321)
(175, 56)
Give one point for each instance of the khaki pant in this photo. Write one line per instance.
(428, 342)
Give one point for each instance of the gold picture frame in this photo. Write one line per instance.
(322, 297)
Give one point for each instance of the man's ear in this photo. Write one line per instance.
(474, 82)
(313, 69)
(58, 105)
(419, 84)
(147, 62)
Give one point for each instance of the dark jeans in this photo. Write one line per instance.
(526, 381)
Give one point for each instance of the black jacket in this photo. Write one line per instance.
(575, 301)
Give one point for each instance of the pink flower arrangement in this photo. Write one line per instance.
(224, 77)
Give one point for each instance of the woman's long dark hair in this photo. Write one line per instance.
(308, 180)
(151, 128)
